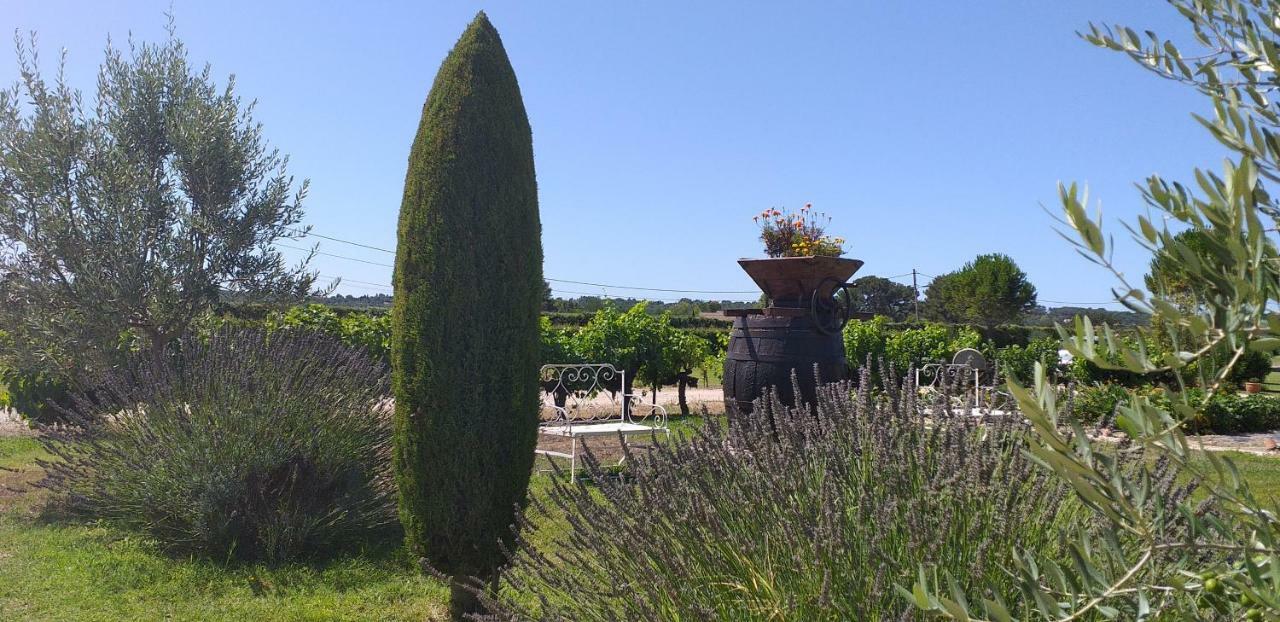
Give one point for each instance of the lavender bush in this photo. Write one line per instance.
(245, 445)
(818, 520)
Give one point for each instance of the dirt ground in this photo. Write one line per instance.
(607, 448)
(669, 398)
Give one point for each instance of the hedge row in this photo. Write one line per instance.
(1226, 413)
(1010, 334)
(561, 319)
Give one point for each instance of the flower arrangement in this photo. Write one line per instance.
(797, 234)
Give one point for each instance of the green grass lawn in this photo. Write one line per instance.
(68, 570)
(1261, 472)
(62, 569)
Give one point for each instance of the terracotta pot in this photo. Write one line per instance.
(792, 281)
(1253, 387)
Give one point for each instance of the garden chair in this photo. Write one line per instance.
(967, 366)
(583, 400)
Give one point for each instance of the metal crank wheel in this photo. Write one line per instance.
(831, 313)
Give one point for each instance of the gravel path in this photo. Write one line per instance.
(1260, 443)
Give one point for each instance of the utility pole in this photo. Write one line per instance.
(915, 286)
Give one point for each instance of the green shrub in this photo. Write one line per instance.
(1013, 335)
(697, 324)
(632, 340)
(1018, 362)
(1082, 371)
(366, 330)
(914, 345)
(1252, 367)
(1096, 403)
(864, 340)
(932, 343)
(1226, 413)
(34, 395)
(1231, 413)
(313, 316)
(557, 344)
(369, 331)
(243, 446)
(465, 329)
(811, 519)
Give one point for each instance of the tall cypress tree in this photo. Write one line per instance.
(465, 335)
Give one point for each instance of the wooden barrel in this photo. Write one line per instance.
(763, 351)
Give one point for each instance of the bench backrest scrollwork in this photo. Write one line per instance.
(582, 392)
(590, 393)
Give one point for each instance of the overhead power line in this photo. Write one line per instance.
(313, 234)
(572, 282)
(371, 285)
(647, 289)
(308, 250)
(609, 297)
(652, 289)
(351, 280)
(1070, 302)
(373, 288)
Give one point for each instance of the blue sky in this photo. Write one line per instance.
(929, 131)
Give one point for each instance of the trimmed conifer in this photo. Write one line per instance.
(465, 334)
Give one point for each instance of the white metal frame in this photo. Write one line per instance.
(950, 371)
(592, 405)
(943, 372)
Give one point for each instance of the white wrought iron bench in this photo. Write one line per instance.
(966, 371)
(581, 400)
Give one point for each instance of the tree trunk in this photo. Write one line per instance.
(681, 382)
(159, 344)
(628, 381)
(463, 601)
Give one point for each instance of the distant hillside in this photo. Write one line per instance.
(1065, 315)
(375, 301)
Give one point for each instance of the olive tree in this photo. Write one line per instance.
(124, 218)
(1151, 555)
